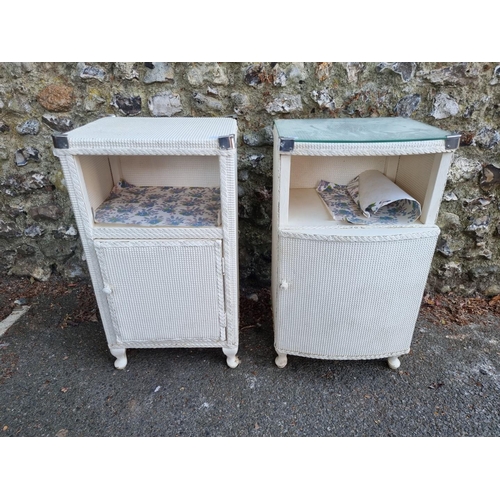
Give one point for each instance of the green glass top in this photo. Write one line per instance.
(358, 130)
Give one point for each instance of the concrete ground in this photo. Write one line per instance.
(57, 377)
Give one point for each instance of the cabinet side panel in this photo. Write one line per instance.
(79, 201)
(413, 175)
(437, 184)
(229, 215)
(307, 171)
(351, 299)
(275, 222)
(98, 179)
(190, 171)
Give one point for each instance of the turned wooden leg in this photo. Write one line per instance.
(232, 360)
(281, 360)
(394, 362)
(121, 357)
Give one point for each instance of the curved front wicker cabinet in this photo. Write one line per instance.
(156, 205)
(354, 233)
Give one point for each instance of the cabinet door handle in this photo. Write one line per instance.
(284, 285)
(107, 289)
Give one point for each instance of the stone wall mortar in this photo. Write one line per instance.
(38, 234)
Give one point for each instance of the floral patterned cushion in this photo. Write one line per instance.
(160, 206)
(370, 198)
(337, 200)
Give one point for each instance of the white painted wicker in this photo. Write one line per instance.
(164, 305)
(158, 286)
(351, 297)
(343, 291)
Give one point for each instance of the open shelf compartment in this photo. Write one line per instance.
(301, 205)
(152, 191)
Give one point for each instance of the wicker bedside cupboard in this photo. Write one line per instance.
(156, 206)
(347, 281)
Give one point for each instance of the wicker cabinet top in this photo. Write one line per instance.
(388, 135)
(146, 133)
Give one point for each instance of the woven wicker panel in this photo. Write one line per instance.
(307, 171)
(189, 171)
(350, 299)
(368, 148)
(116, 231)
(413, 175)
(147, 133)
(229, 215)
(164, 290)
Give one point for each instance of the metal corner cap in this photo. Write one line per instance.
(227, 142)
(452, 141)
(286, 144)
(60, 141)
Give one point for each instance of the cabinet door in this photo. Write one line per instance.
(350, 299)
(165, 291)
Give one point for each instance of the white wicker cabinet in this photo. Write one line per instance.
(156, 205)
(342, 290)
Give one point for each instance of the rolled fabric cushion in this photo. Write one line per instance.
(338, 201)
(370, 198)
(375, 194)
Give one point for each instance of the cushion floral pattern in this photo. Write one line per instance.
(370, 198)
(160, 206)
(337, 200)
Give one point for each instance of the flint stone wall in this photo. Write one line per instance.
(38, 234)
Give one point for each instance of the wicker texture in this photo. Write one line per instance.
(150, 301)
(229, 215)
(345, 291)
(347, 234)
(360, 299)
(81, 210)
(140, 233)
(158, 286)
(368, 149)
(151, 134)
